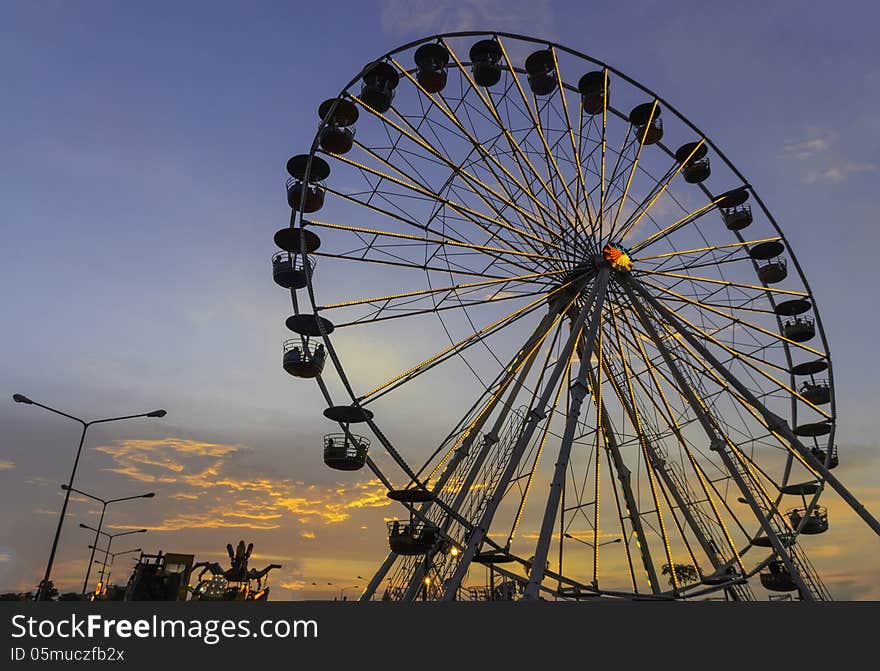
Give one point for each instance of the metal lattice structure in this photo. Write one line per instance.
(627, 388)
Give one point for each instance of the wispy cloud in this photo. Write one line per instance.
(215, 489)
(425, 17)
(6, 464)
(821, 159)
(817, 140)
(839, 172)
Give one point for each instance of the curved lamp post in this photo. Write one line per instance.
(43, 590)
(104, 503)
(110, 538)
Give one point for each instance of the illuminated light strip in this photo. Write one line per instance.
(490, 106)
(633, 168)
(735, 320)
(456, 169)
(412, 186)
(574, 147)
(714, 431)
(536, 121)
(675, 174)
(598, 234)
(724, 386)
(440, 241)
(422, 292)
(635, 419)
(708, 249)
(490, 404)
(745, 461)
(473, 336)
(725, 283)
(599, 422)
(485, 154)
(670, 421)
(540, 449)
(743, 358)
(686, 219)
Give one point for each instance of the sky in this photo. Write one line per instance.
(141, 176)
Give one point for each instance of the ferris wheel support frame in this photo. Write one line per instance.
(579, 390)
(624, 475)
(774, 422)
(717, 443)
(535, 415)
(519, 369)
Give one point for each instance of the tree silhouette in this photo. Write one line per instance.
(684, 573)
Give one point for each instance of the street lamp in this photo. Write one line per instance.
(43, 590)
(110, 538)
(104, 503)
(113, 556)
(580, 540)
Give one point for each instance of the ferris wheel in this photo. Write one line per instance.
(563, 331)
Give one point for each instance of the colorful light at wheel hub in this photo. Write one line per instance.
(617, 257)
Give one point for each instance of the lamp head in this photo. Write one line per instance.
(149, 495)
(21, 398)
(157, 413)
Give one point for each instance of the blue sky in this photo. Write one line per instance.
(142, 178)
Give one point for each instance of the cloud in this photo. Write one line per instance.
(820, 146)
(426, 17)
(308, 535)
(839, 172)
(5, 556)
(214, 488)
(817, 140)
(6, 464)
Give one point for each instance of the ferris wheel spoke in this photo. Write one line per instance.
(538, 452)
(640, 212)
(669, 482)
(376, 316)
(700, 368)
(588, 330)
(581, 183)
(736, 320)
(536, 121)
(726, 283)
(665, 232)
(707, 486)
(474, 184)
(779, 428)
(725, 448)
(627, 400)
(411, 266)
(701, 250)
(453, 349)
(439, 290)
(633, 167)
(624, 476)
(441, 241)
(468, 213)
(519, 157)
(422, 265)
